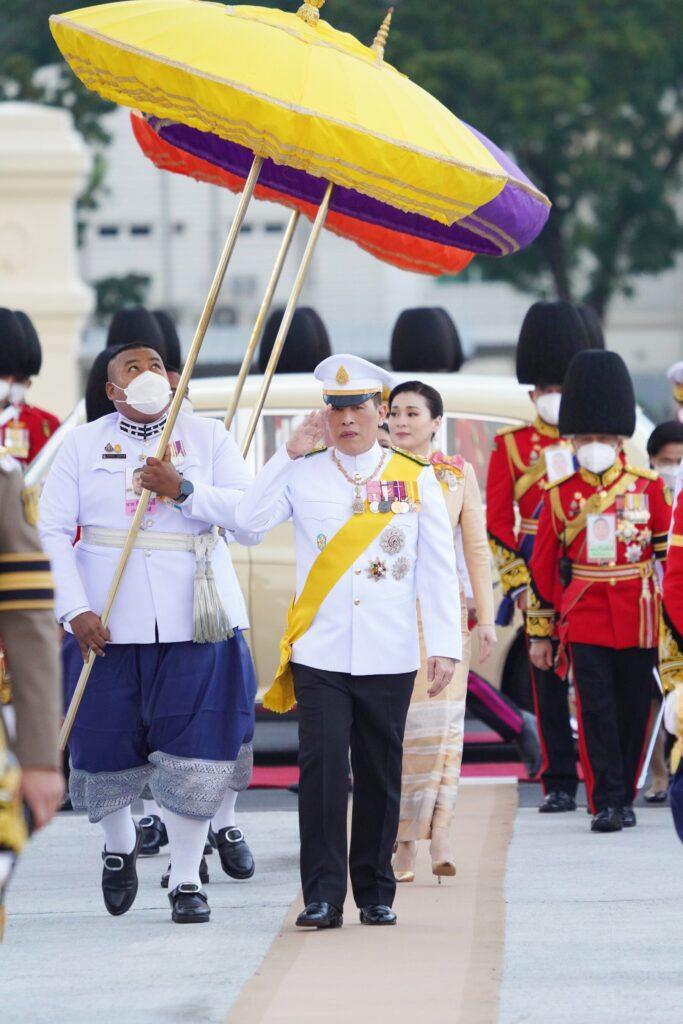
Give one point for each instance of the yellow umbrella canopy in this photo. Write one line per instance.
(289, 87)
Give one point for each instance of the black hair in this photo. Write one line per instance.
(431, 395)
(670, 432)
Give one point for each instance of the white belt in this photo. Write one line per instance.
(211, 623)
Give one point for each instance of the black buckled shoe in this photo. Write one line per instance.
(607, 820)
(377, 913)
(236, 857)
(189, 905)
(628, 816)
(320, 915)
(557, 802)
(154, 835)
(120, 878)
(203, 874)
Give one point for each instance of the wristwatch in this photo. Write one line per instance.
(184, 491)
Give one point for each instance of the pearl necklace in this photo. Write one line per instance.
(357, 481)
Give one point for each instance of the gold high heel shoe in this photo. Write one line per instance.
(404, 862)
(442, 864)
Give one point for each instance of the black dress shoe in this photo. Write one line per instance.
(203, 874)
(120, 878)
(154, 835)
(235, 855)
(628, 817)
(557, 802)
(189, 905)
(320, 915)
(377, 913)
(607, 820)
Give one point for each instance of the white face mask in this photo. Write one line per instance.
(679, 414)
(668, 475)
(549, 407)
(17, 394)
(596, 457)
(5, 388)
(186, 407)
(149, 393)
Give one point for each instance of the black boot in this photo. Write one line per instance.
(203, 874)
(607, 820)
(189, 905)
(557, 802)
(628, 816)
(154, 835)
(120, 878)
(235, 855)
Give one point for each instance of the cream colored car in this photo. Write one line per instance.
(476, 406)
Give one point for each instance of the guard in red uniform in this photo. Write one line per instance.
(671, 660)
(31, 427)
(523, 460)
(593, 577)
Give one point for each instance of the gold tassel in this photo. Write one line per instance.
(309, 12)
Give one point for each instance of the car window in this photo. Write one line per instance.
(472, 437)
(277, 426)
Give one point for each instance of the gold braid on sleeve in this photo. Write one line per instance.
(540, 619)
(670, 653)
(511, 566)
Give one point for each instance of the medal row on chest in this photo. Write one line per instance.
(16, 438)
(382, 496)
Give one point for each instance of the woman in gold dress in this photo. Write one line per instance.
(432, 749)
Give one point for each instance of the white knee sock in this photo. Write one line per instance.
(186, 837)
(225, 815)
(152, 807)
(119, 831)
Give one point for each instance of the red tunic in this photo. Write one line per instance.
(612, 602)
(671, 639)
(514, 494)
(25, 435)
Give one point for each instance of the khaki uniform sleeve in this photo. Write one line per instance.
(476, 548)
(28, 629)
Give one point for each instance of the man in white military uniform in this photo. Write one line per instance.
(170, 699)
(372, 536)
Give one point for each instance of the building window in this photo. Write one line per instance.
(246, 229)
(178, 228)
(108, 230)
(141, 229)
(271, 228)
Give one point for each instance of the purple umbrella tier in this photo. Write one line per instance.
(508, 223)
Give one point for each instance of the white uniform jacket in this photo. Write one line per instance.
(86, 486)
(365, 626)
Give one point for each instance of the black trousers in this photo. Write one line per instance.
(367, 714)
(613, 694)
(551, 701)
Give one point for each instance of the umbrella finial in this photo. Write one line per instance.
(310, 11)
(383, 34)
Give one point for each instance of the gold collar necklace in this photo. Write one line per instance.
(357, 481)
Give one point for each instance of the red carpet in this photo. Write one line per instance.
(281, 776)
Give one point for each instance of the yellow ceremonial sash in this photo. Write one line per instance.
(333, 561)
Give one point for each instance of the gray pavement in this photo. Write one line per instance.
(592, 922)
(65, 960)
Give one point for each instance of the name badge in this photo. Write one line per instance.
(134, 488)
(17, 441)
(559, 462)
(601, 538)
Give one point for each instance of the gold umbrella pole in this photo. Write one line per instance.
(287, 319)
(261, 319)
(173, 411)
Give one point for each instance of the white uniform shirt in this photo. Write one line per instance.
(364, 626)
(85, 488)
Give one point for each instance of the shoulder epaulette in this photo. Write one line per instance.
(410, 455)
(315, 451)
(511, 428)
(646, 474)
(547, 486)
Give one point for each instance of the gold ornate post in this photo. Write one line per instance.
(173, 411)
(380, 40)
(310, 11)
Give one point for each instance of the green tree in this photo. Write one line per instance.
(587, 98)
(114, 293)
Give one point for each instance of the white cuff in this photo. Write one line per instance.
(72, 615)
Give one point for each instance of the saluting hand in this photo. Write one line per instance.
(161, 477)
(309, 434)
(90, 633)
(439, 674)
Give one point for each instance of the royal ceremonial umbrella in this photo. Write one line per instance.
(292, 89)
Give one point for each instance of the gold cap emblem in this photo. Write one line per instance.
(342, 376)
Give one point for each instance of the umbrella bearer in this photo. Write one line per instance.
(170, 699)
(372, 534)
(592, 574)
(523, 460)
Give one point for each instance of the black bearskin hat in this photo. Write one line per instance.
(33, 355)
(136, 326)
(592, 325)
(425, 339)
(669, 432)
(551, 335)
(174, 358)
(96, 402)
(598, 396)
(12, 354)
(306, 345)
